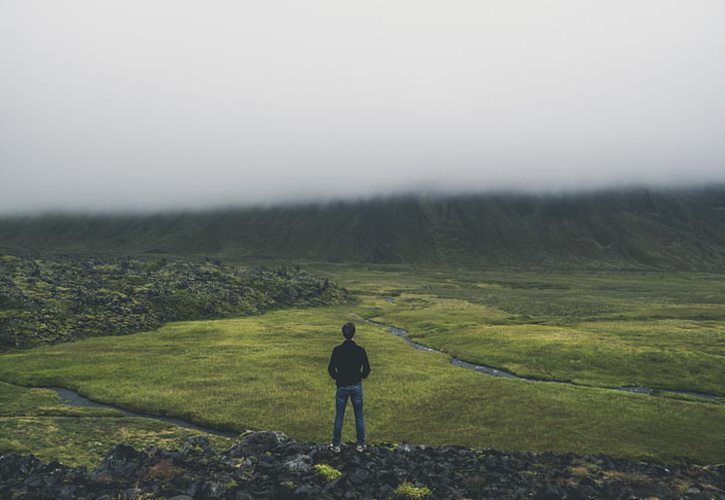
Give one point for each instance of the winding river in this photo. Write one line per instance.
(74, 399)
(496, 372)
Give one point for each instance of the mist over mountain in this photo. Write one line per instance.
(636, 228)
(144, 106)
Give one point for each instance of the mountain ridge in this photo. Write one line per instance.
(622, 229)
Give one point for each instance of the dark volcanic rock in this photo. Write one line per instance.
(257, 443)
(57, 299)
(270, 465)
(120, 463)
(197, 445)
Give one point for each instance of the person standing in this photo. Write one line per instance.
(348, 366)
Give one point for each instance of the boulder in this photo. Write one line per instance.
(121, 463)
(196, 445)
(257, 443)
(299, 463)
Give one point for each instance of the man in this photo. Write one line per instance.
(348, 366)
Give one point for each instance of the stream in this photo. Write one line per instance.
(495, 372)
(74, 399)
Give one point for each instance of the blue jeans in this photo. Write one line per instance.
(354, 392)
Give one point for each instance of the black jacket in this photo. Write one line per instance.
(348, 364)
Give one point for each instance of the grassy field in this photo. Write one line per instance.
(269, 372)
(35, 421)
(660, 330)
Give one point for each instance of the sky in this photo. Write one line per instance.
(138, 105)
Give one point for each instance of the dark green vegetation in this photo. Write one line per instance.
(52, 300)
(35, 421)
(606, 230)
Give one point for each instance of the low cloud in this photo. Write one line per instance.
(142, 106)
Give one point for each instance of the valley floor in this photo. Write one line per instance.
(601, 331)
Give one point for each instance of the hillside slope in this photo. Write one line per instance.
(612, 229)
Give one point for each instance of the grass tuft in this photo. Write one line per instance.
(327, 471)
(409, 490)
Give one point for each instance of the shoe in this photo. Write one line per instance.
(335, 449)
(361, 447)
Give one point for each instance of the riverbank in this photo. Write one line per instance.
(498, 372)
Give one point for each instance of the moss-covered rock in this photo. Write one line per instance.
(61, 299)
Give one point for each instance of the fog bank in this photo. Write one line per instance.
(171, 104)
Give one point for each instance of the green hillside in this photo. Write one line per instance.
(635, 228)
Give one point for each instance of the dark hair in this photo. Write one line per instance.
(348, 330)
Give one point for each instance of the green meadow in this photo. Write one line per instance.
(599, 330)
(658, 330)
(35, 421)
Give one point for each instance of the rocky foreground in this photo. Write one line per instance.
(270, 465)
